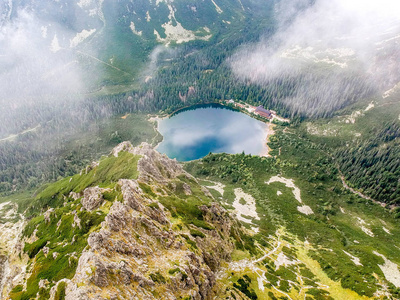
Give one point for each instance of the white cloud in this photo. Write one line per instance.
(340, 37)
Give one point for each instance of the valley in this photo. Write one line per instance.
(202, 149)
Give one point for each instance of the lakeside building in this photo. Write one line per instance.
(261, 111)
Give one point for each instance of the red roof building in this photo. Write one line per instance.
(261, 111)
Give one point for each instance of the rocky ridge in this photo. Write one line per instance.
(139, 254)
(147, 246)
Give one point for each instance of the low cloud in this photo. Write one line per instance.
(29, 67)
(326, 54)
(39, 74)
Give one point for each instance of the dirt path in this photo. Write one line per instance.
(103, 62)
(345, 185)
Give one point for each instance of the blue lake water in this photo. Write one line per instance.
(192, 134)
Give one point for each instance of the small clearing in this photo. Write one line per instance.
(388, 93)
(354, 259)
(351, 119)
(175, 32)
(217, 8)
(55, 46)
(390, 270)
(84, 3)
(4, 204)
(370, 106)
(248, 209)
(366, 230)
(134, 30)
(80, 37)
(218, 186)
(283, 260)
(305, 209)
(289, 183)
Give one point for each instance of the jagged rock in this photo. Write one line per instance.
(187, 190)
(58, 224)
(97, 240)
(54, 288)
(124, 146)
(133, 194)
(143, 281)
(92, 166)
(172, 186)
(92, 198)
(118, 216)
(45, 250)
(153, 166)
(100, 274)
(135, 199)
(43, 283)
(33, 238)
(136, 246)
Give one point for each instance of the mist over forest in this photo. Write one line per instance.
(331, 53)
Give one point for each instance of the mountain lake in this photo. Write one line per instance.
(194, 132)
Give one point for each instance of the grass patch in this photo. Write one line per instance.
(106, 174)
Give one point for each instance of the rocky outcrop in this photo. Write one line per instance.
(75, 196)
(153, 166)
(138, 253)
(159, 236)
(47, 215)
(187, 189)
(92, 198)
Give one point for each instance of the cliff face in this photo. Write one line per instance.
(162, 236)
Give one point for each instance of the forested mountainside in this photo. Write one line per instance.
(374, 166)
(63, 126)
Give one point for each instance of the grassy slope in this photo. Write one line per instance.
(328, 230)
(60, 234)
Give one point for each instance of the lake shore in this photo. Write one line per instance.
(156, 121)
(269, 131)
